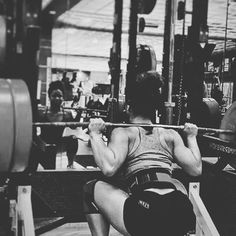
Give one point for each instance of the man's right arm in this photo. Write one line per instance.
(189, 158)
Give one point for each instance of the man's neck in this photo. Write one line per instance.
(140, 120)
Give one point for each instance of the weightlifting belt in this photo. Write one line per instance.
(157, 177)
(50, 145)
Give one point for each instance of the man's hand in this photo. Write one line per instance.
(96, 125)
(190, 130)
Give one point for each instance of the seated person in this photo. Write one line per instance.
(151, 202)
(49, 140)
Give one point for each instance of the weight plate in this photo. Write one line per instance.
(229, 122)
(7, 130)
(23, 124)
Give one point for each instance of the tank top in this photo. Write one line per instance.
(152, 152)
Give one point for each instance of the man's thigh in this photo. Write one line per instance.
(110, 201)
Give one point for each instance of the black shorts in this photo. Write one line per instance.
(149, 213)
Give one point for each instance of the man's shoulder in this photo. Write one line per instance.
(170, 135)
(127, 131)
(167, 131)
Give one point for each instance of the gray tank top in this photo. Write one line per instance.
(152, 152)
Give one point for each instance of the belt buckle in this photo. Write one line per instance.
(145, 178)
(135, 182)
(156, 176)
(148, 177)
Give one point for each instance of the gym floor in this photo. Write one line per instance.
(75, 229)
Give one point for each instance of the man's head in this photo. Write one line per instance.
(145, 94)
(56, 93)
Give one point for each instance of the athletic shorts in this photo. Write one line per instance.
(149, 213)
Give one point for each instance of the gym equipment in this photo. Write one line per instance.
(109, 124)
(225, 144)
(229, 122)
(212, 114)
(16, 128)
(16, 139)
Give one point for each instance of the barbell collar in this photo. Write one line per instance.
(109, 124)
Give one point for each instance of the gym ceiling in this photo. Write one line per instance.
(83, 29)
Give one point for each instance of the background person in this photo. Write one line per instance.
(154, 203)
(49, 141)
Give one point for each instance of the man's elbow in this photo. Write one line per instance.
(108, 171)
(197, 171)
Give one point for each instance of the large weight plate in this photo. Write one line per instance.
(211, 110)
(229, 123)
(7, 130)
(3, 40)
(23, 124)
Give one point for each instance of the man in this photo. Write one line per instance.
(49, 140)
(155, 203)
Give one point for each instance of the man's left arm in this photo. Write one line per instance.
(109, 157)
(189, 158)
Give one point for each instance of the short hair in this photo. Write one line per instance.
(145, 94)
(54, 85)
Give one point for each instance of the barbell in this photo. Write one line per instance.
(109, 124)
(16, 125)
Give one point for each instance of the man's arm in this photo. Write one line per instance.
(189, 158)
(109, 157)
